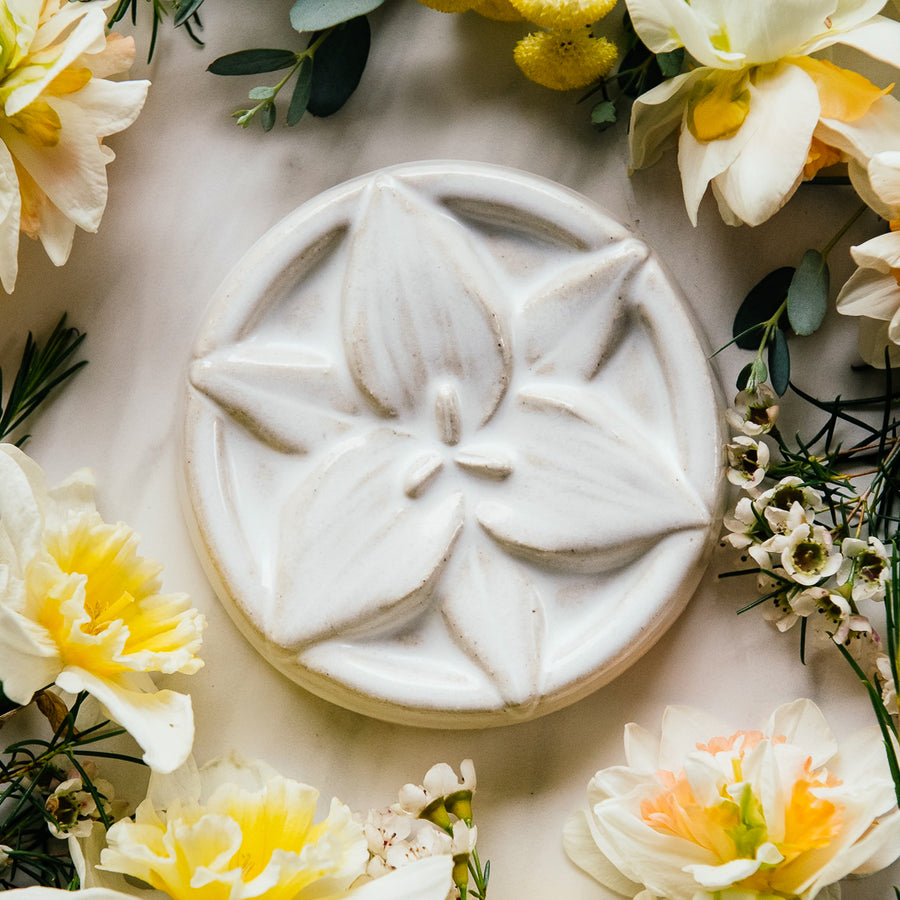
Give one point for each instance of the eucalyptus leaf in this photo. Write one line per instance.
(604, 114)
(302, 88)
(267, 116)
(262, 93)
(339, 64)
(670, 63)
(316, 15)
(779, 362)
(253, 62)
(808, 293)
(760, 304)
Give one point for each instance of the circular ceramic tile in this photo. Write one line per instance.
(452, 446)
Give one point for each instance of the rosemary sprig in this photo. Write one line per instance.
(184, 12)
(41, 369)
(30, 771)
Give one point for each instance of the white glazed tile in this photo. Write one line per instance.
(451, 446)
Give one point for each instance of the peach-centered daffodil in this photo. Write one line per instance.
(81, 609)
(756, 113)
(56, 106)
(705, 811)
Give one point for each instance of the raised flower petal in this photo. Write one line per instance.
(483, 587)
(355, 509)
(567, 511)
(419, 332)
(287, 395)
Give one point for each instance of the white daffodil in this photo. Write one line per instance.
(56, 106)
(873, 290)
(80, 608)
(779, 812)
(758, 114)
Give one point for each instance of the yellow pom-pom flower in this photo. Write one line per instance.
(563, 60)
(563, 14)
(449, 6)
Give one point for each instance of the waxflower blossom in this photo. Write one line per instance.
(56, 106)
(747, 461)
(80, 608)
(808, 554)
(865, 568)
(758, 113)
(754, 412)
(706, 811)
(73, 809)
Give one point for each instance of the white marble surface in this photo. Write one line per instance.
(190, 192)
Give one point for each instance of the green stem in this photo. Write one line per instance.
(842, 231)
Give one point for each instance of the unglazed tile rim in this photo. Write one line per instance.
(523, 251)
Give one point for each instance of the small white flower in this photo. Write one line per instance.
(778, 502)
(809, 554)
(74, 809)
(754, 411)
(5, 860)
(865, 566)
(885, 677)
(439, 783)
(747, 461)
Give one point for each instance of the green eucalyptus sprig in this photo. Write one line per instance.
(325, 74)
(32, 809)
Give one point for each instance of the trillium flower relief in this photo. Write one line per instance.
(463, 439)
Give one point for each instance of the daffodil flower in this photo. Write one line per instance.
(80, 608)
(873, 291)
(779, 812)
(56, 106)
(758, 114)
(237, 829)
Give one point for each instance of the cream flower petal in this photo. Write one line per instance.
(21, 510)
(681, 726)
(55, 25)
(873, 339)
(46, 893)
(884, 176)
(878, 37)
(664, 25)
(423, 879)
(29, 660)
(10, 211)
(784, 110)
(110, 106)
(871, 293)
(57, 233)
(803, 723)
(881, 253)
(656, 117)
(641, 749)
(162, 722)
(581, 847)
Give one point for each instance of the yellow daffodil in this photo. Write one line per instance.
(758, 114)
(80, 608)
(706, 811)
(563, 60)
(56, 106)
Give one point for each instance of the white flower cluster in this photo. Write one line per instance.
(430, 819)
(73, 807)
(807, 570)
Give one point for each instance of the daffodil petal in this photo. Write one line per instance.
(423, 879)
(581, 848)
(803, 723)
(680, 727)
(873, 339)
(641, 748)
(879, 37)
(869, 293)
(881, 253)
(656, 117)
(783, 113)
(716, 878)
(10, 210)
(21, 511)
(46, 893)
(162, 722)
(29, 660)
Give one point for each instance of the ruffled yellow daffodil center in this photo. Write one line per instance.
(262, 844)
(735, 826)
(99, 602)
